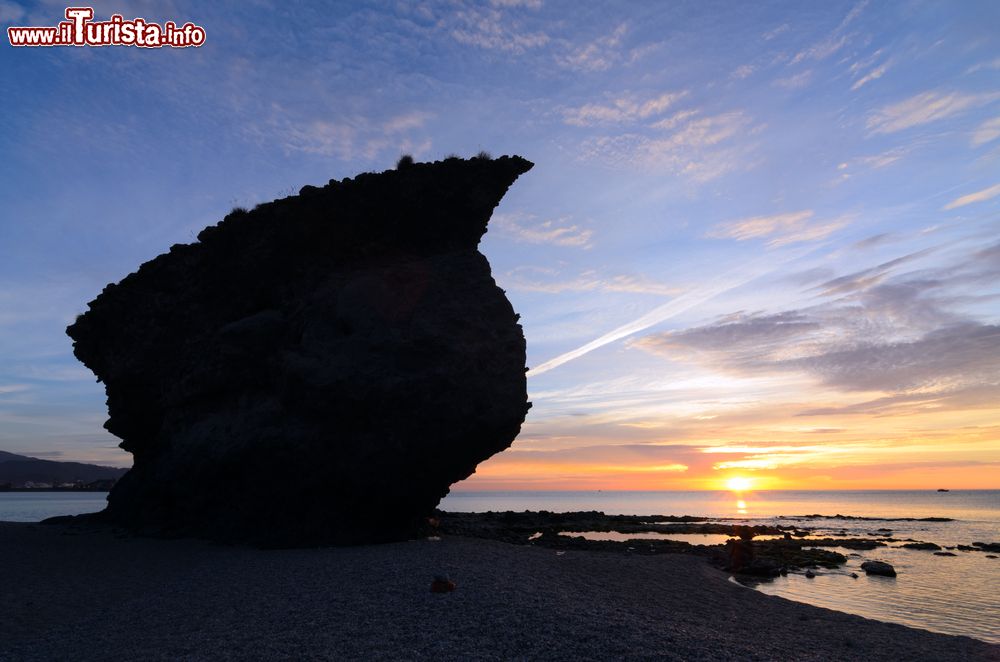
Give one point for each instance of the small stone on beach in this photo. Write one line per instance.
(442, 584)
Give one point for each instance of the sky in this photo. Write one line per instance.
(761, 240)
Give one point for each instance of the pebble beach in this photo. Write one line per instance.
(98, 595)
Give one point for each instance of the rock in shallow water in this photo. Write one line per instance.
(318, 370)
(878, 568)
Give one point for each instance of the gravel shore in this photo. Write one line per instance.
(72, 594)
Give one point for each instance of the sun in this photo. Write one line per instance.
(738, 484)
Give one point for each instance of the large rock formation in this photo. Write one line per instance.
(318, 370)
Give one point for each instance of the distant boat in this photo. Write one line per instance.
(941, 489)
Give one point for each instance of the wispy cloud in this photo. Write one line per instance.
(874, 240)
(865, 63)
(916, 403)
(833, 347)
(903, 336)
(743, 71)
(708, 131)
(494, 29)
(794, 82)
(531, 4)
(699, 149)
(922, 109)
(674, 120)
(623, 109)
(531, 279)
(555, 232)
(884, 159)
(866, 278)
(874, 74)
(853, 14)
(760, 226)
(10, 12)
(771, 34)
(782, 229)
(988, 131)
(350, 137)
(872, 162)
(978, 196)
(598, 55)
(821, 50)
(834, 41)
(985, 66)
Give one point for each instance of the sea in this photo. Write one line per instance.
(949, 594)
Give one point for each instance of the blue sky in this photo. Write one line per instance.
(759, 237)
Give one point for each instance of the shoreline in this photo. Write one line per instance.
(37, 490)
(96, 594)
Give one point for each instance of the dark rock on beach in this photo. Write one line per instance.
(869, 519)
(742, 554)
(318, 370)
(921, 545)
(880, 568)
(520, 527)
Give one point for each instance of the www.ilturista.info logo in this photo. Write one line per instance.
(80, 30)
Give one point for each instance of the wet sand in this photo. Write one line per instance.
(71, 594)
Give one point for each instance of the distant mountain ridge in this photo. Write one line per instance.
(19, 469)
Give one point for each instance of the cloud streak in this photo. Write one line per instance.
(700, 148)
(558, 232)
(782, 229)
(599, 55)
(922, 109)
(979, 196)
(730, 280)
(623, 109)
(493, 29)
(988, 131)
(899, 336)
(590, 281)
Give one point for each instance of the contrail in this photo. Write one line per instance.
(727, 281)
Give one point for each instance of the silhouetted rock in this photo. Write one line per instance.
(878, 568)
(764, 567)
(988, 546)
(320, 369)
(740, 554)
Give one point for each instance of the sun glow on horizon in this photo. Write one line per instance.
(739, 484)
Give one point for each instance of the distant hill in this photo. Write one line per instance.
(19, 469)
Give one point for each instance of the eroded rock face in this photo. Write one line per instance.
(318, 370)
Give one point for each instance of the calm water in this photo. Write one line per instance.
(36, 506)
(953, 595)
